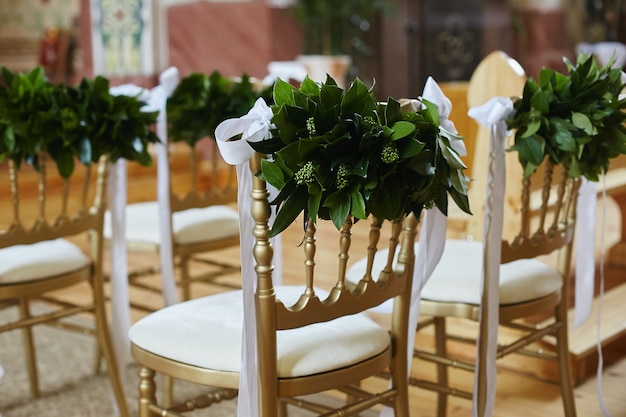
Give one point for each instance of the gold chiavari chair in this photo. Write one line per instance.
(311, 338)
(50, 219)
(200, 192)
(535, 270)
(202, 215)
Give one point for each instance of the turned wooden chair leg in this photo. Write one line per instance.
(147, 391)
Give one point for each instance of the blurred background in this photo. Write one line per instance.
(399, 45)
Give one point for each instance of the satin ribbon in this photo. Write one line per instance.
(117, 197)
(433, 93)
(168, 80)
(432, 235)
(585, 251)
(493, 114)
(254, 126)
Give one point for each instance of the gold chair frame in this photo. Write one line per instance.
(273, 316)
(88, 196)
(537, 237)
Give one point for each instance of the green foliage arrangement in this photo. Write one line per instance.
(200, 103)
(575, 119)
(70, 123)
(336, 153)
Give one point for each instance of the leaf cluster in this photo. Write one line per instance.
(336, 153)
(574, 119)
(70, 123)
(201, 102)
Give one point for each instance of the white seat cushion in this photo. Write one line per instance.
(206, 332)
(457, 277)
(190, 226)
(21, 263)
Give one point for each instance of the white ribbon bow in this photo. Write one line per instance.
(254, 127)
(434, 94)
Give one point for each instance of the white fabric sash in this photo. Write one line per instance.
(254, 127)
(585, 251)
(117, 197)
(432, 235)
(120, 311)
(168, 80)
(493, 114)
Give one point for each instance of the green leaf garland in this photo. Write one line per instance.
(574, 119)
(336, 153)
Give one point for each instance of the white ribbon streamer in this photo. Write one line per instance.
(120, 311)
(492, 114)
(432, 236)
(585, 251)
(117, 197)
(254, 126)
(158, 101)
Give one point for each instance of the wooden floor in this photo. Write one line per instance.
(524, 387)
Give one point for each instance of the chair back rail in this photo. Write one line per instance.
(208, 181)
(338, 300)
(546, 214)
(58, 213)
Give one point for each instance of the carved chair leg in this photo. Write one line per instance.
(147, 390)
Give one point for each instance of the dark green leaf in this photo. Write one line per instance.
(290, 210)
(272, 174)
(338, 204)
(401, 130)
(283, 93)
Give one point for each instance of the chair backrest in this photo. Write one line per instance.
(199, 176)
(65, 206)
(544, 214)
(496, 75)
(338, 299)
(538, 210)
